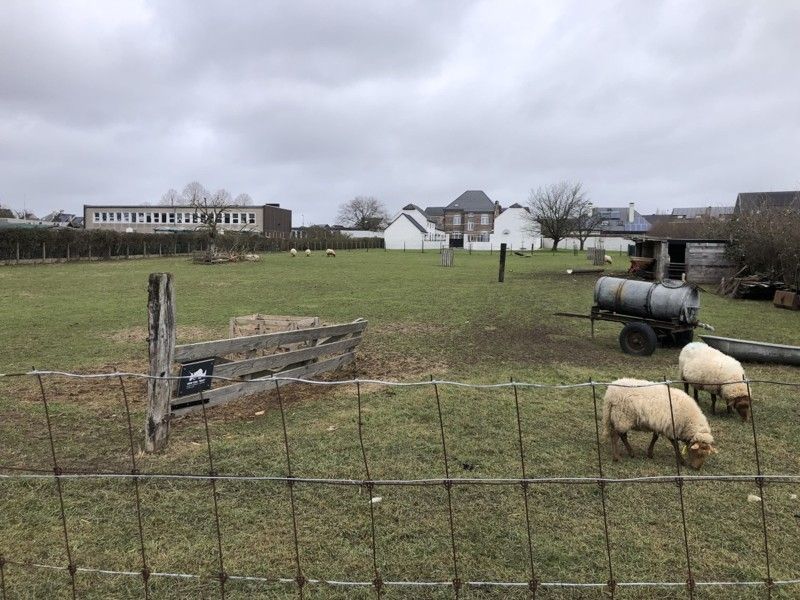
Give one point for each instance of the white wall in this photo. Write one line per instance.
(401, 234)
(362, 233)
(513, 227)
(611, 243)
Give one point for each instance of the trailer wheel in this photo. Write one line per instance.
(683, 337)
(638, 339)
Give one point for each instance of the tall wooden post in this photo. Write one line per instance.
(44, 251)
(501, 277)
(17, 252)
(161, 332)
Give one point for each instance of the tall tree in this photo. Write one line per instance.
(243, 200)
(170, 198)
(209, 207)
(363, 212)
(554, 208)
(585, 221)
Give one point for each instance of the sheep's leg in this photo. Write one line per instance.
(614, 445)
(677, 451)
(696, 399)
(685, 386)
(729, 409)
(713, 404)
(624, 437)
(652, 445)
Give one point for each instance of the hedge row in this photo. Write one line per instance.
(65, 242)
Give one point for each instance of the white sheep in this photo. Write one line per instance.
(628, 405)
(308, 251)
(706, 368)
(293, 252)
(330, 252)
(607, 259)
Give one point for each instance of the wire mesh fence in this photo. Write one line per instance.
(376, 554)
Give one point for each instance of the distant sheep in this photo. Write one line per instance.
(706, 368)
(293, 252)
(330, 252)
(308, 252)
(252, 257)
(607, 259)
(628, 407)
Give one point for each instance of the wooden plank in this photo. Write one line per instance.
(279, 361)
(199, 350)
(215, 397)
(161, 347)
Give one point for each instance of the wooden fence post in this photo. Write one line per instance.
(67, 252)
(502, 275)
(17, 252)
(161, 347)
(44, 251)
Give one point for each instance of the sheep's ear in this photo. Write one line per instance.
(713, 450)
(695, 446)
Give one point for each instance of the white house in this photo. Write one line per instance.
(513, 227)
(411, 230)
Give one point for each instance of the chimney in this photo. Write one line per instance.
(630, 212)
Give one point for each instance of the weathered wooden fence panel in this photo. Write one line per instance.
(161, 341)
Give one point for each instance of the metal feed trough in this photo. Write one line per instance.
(651, 312)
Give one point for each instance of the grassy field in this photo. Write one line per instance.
(424, 320)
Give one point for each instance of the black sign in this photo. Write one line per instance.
(196, 377)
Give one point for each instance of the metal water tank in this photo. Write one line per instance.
(668, 300)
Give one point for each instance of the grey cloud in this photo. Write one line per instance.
(309, 104)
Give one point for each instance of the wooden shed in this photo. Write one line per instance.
(696, 260)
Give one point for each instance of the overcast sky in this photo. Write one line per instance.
(311, 103)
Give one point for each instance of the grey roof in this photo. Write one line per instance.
(616, 220)
(694, 212)
(413, 207)
(472, 200)
(748, 201)
(653, 219)
(417, 225)
(516, 205)
(434, 211)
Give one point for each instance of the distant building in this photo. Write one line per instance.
(699, 212)
(412, 230)
(269, 220)
(514, 227)
(748, 202)
(623, 220)
(468, 218)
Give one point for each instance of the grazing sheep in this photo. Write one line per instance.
(330, 252)
(293, 252)
(706, 368)
(627, 407)
(607, 259)
(308, 251)
(252, 257)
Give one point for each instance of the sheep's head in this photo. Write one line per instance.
(698, 452)
(742, 406)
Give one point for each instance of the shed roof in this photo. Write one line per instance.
(693, 212)
(748, 201)
(413, 222)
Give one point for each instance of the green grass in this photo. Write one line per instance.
(456, 323)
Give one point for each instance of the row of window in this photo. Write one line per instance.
(470, 223)
(232, 218)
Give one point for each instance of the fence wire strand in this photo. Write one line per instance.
(135, 476)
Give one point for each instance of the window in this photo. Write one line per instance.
(171, 217)
(97, 217)
(119, 217)
(156, 217)
(226, 218)
(141, 217)
(105, 217)
(126, 217)
(163, 217)
(187, 217)
(133, 217)
(251, 218)
(484, 219)
(149, 217)
(235, 218)
(179, 218)
(456, 219)
(470, 226)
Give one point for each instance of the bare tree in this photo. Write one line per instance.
(209, 208)
(170, 198)
(585, 221)
(25, 214)
(554, 207)
(363, 212)
(243, 200)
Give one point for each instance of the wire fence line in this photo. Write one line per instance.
(58, 473)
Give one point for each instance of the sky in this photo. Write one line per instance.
(309, 104)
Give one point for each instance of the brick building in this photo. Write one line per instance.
(468, 218)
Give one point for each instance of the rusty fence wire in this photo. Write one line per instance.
(58, 474)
